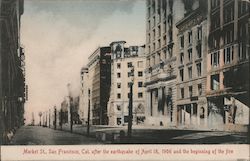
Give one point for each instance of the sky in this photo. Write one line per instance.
(59, 35)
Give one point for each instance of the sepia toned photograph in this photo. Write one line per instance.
(130, 72)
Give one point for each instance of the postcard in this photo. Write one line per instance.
(124, 80)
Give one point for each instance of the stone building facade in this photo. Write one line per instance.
(192, 65)
(161, 49)
(123, 60)
(99, 80)
(12, 69)
(228, 63)
(83, 96)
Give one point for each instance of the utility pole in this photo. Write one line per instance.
(61, 119)
(55, 117)
(130, 111)
(40, 115)
(49, 118)
(88, 123)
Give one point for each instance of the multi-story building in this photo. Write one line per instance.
(228, 63)
(192, 65)
(123, 60)
(161, 49)
(84, 94)
(99, 72)
(12, 73)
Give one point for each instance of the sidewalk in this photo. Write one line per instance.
(159, 135)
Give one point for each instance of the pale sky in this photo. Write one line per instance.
(59, 35)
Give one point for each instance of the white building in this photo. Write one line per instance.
(83, 101)
(123, 59)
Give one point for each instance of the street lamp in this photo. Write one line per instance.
(130, 111)
(88, 124)
(40, 115)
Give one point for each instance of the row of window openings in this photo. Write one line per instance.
(130, 64)
(139, 95)
(198, 67)
(228, 55)
(140, 74)
(140, 84)
(190, 91)
(190, 37)
(190, 54)
(166, 55)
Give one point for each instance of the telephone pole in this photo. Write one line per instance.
(130, 111)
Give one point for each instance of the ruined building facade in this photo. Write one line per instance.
(12, 72)
(197, 72)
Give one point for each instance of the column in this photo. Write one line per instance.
(149, 103)
(191, 113)
(160, 100)
(198, 114)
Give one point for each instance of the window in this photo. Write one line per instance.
(190, 91)
(159, 43)
(190, 72)
(215, 82)
(159, 31)
(153, 46)
(181, 75)
(154, 34)
(190, 38)
(118, 107)
(182, 42)
(198, 48)
(140, 64)
(129, 73)
(128, 95)
(181, 58)
(242, 52)
(199, 33)
(228, 55)
(118, 75)
(190, 55)
(118, 95)
(182, 92)
(118, 85)
(139, 84)
(149, 12)
(130, 64)
(149, 39)
(149, 25)
(154, 22)
(118, 65)
(140, 95)
(199, 89)
(140, 74)
(215, 59)
(170, 52)
(198, 66)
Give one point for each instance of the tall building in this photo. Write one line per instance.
(123, 60)
(192, 65)
(228, 63)
(84, 94)
(99, 71)
(12, 73)
(161, 51)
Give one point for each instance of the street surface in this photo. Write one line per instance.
(35, 135)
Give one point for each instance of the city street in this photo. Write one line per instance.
(35, 135)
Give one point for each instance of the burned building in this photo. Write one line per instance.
(12, 72)
(228, 63)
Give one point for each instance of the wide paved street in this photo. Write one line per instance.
(35, 135)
